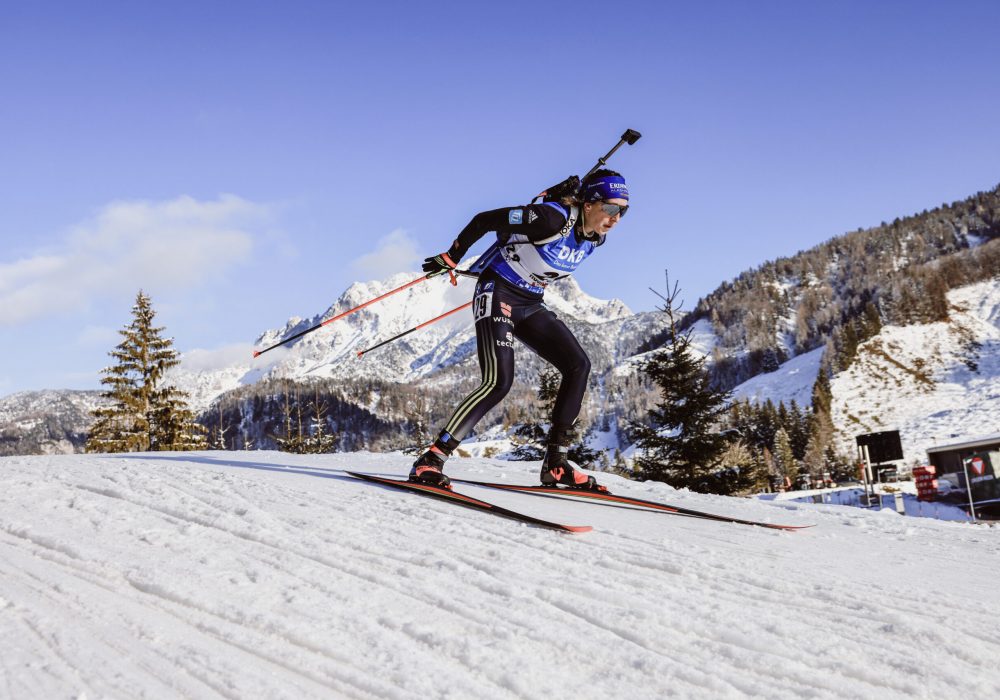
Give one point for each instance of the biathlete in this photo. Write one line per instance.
(536, 245)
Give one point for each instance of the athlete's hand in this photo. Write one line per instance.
(438, 265)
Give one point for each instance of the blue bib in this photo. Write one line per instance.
(531, 266)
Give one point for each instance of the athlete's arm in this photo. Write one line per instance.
(536, 221)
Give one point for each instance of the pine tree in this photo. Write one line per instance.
(783, 457)
(765, 425)
(218, 441)
(319, 440)
(143, 414)
(416, 412)
(315, 440)
(849, 349)
(784, 419)
(680, 445)
(798, 429)
(821, 428)
(871, 325)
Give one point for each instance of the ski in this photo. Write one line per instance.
(468, 501)
(608, 498)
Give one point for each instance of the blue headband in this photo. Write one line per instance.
(606, 187)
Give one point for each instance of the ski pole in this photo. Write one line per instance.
(630, 137)
(415, 328)
(258, 353)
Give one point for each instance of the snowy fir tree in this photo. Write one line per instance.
(416, 412)
(313, 439)
(680, 444)
(218, 433)
(319, 440)
(784, 459)
(143, 414)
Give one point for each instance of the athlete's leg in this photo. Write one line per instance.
(495, 347)
(552, 339)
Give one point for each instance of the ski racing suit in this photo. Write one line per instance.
(536, 245)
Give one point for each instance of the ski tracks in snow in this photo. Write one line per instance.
(240, 575)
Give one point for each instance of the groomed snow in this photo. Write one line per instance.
(256, 574)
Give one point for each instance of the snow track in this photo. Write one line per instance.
(236, 575)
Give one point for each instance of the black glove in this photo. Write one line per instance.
(438, 265)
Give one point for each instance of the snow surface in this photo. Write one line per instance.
(794, 380)
(258, 574)
(703, 339)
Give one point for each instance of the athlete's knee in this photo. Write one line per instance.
(502, 386)
(494, 389)
(576, 367)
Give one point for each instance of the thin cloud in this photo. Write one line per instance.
(394, 253)
(201, 360)
(163, 246)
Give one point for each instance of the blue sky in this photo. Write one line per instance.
(245, 162)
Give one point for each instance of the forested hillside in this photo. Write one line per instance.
(841, 292)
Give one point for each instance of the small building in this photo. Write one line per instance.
(984, 454)
(948, 458)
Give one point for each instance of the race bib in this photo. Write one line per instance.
(482, 305)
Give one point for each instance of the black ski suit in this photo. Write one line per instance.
(536, 244)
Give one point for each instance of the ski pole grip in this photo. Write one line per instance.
(631, 136)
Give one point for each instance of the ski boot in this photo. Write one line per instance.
(429, 467)
(557, 469)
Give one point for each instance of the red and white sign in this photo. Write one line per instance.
(927, 483)
(977, 464)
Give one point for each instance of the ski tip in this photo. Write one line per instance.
(578, 528)
(256, 354)
(775, 526)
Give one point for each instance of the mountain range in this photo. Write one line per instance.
(928, 369)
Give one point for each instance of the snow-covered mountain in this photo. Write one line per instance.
(332, 351)
(441, 357)
(267, 575)
(932, 381)
(46, 422)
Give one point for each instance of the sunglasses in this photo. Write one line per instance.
(612, 209)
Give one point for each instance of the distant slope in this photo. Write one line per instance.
(268, 575)
(932, 381)
(793, 381)
(899, 272)
(46, 422)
